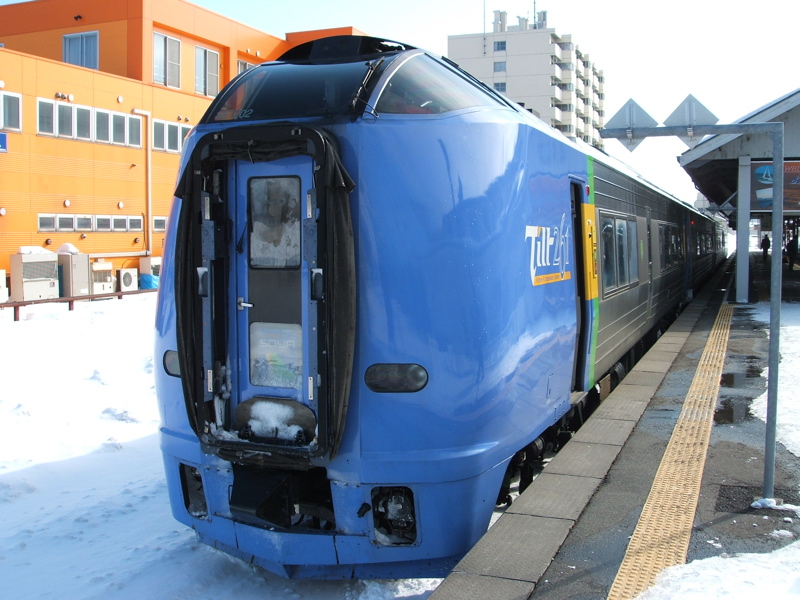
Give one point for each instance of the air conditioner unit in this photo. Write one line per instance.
(102, 280)
(150, 265)
(74, 274)
(3, 287)
(34, 276)
(127, 280)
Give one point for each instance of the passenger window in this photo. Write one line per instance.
(620, 257)
(275, 222)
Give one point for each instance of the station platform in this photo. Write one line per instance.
(662, 473)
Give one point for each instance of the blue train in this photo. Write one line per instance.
(384, 287)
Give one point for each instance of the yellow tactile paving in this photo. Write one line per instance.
(661, 537)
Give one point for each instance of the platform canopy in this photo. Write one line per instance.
(713, 164)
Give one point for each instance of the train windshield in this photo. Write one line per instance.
(291, 91)
(422, 85)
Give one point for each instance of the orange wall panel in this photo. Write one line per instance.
(301, 37)
(40, 172)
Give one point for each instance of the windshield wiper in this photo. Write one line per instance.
(372, 66)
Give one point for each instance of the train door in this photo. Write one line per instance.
(265, 294)
(275, 309)
(649, 258)
(584, 323)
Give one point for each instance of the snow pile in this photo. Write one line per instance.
(272, 418)
(744, 577)
(84, 511)
(68, 372)
(788, 412)
(773, 504)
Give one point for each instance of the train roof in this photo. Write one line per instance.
(335, 76)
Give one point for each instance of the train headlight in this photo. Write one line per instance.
(394, 516)
(394, 378)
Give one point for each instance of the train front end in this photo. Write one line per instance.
(352, 344)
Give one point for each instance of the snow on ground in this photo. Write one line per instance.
(84, 512)
(83, 502)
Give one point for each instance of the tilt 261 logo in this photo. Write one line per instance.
(549, 252)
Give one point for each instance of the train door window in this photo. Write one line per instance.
(275, 217)
(276, 355)
(619, 251)
(609, 270)
(622, 254)
(633, 252)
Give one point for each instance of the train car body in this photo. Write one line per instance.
(383, 281)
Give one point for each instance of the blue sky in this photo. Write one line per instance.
(733, 56)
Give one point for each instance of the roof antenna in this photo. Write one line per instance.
(484, 27)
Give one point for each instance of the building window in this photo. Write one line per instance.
(206, 71)
(82, 49)
(135, 223)
(166, 60)
(159, 223)
(83, 222)
(119, 223)
(169, 136)
(65, 223)
(47, 222)
(243, 65)
(102, 223)
(134, 131)
(88, 124)
(500, 66)
(46, 117)
(500, 87)
(83, 123)
(102, 128)
(11, 114)
(65, 125)
(118, 129)
(499, 46)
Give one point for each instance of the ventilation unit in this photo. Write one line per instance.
(3, 287)
(150, 265)
(34, 276)
(102, 280)
(127, 280)
(74, 274)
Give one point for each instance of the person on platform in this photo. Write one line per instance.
(765, 246)
(791, 252)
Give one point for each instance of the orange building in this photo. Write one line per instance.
(95, 100)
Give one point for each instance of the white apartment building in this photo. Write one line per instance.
(534, 66)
